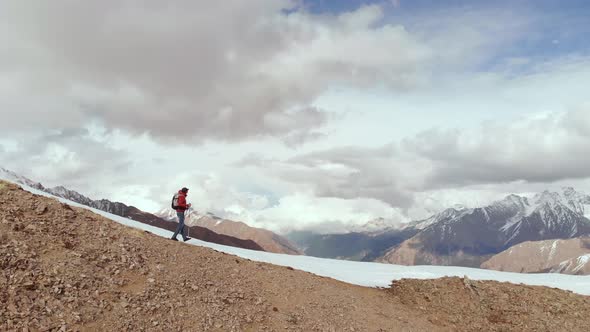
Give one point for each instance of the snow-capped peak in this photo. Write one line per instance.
(459, 207)
(547, 197)
(561, 212)
(448, 215)
(575, 201)
(13, 177)
(546, 201)
(513, 202)
(72, 195)
(192, 217)
(376, 225)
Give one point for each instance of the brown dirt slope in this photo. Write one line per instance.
(577, 265)
(537, 256)
(68, 269)
(468, 305)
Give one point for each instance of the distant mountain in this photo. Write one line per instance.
(376, 225)
(542, 256)
(357, 246)
(130, 212)
(11, 176)
(268, 240)
(468, 237)
(445, 215)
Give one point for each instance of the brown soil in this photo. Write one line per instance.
(462, 304)
(68, 269)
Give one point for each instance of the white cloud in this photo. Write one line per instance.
(67, 157)
(542, 149)
(439, 168)
(303, 211)
(186, 69)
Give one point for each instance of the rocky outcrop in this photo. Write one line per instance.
(537, 256)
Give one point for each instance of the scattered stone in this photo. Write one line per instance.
(41, 209)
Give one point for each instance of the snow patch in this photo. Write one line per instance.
(579, 263)
(530, 209)
(511, 222)
(485, 212)
(582, 261)
(553, 249)
(15, 178)
(514, 231)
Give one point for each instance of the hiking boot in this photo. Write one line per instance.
(188, 238)
(174, 239)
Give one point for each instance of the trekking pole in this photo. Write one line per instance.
(186, 217)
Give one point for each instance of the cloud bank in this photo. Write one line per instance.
(542, 149)
(186, 70)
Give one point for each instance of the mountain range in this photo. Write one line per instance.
(468, 237)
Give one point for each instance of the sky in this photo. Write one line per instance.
(293, 114)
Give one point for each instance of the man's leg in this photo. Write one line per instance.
(180, 227)
(183, 230)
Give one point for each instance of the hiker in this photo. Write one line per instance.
(179, 204)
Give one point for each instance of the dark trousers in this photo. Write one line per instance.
(180, 229)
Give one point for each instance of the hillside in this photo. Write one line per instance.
(538, 256)
(67, 268)
(577, 265)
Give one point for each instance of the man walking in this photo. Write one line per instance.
(180, 205)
